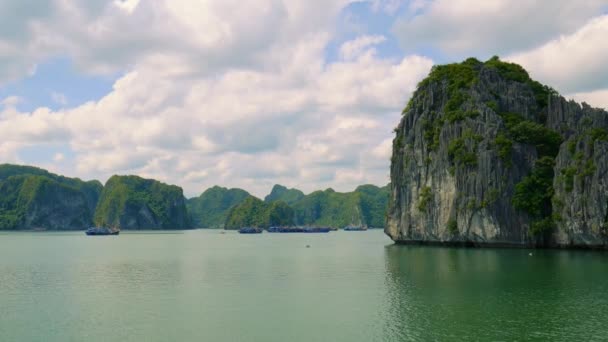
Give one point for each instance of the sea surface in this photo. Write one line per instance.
(203, 285)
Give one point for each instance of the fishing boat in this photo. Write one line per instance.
(102, 231)
(298, 229)
(285, 230)
(250, 230)
(317, 230)
(355, 228)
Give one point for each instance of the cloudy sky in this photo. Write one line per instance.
(251, 93)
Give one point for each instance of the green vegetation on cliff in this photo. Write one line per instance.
(329, 208)
(279, 214)
(131, 202)
(374, 202)
(253, 212)
(364, 206)
(533, 194)
(90, 189)
(211, 208)
(546, 141)
(281, 193)
(33, 198)
(515, 72)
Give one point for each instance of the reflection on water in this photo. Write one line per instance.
(495, 294)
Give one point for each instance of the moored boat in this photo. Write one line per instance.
(250, 230)
(285, 230)
(317, 230)
(102, 231)
(355, 228)
(298, 229)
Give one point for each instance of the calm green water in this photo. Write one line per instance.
(349, 286)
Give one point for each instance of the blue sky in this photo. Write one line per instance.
(57, 76)
(248, 94)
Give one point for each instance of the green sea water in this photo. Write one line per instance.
(348, 286)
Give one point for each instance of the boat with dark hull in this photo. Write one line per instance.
(102, 231)
(285, 230)
(355, 228)
(299, 229)
(250, 230)
(317, 230)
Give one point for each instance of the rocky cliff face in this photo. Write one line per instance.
(131, 202)
(54, 206)
(32, 198)
(485, 155)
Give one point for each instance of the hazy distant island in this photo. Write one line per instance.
(484, 155)
(35, 199)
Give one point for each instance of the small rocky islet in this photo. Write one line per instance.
(484, 155)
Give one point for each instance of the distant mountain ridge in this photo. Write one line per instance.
(32, 198)
(365, 206)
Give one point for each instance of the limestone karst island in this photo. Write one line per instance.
(302, 171)
(485, 155)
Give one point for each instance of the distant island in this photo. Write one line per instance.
(484, 155)
(35, 199)
(366, 206)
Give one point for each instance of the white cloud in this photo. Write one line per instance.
(471, 27)
(58, 157)
(59, 98)
(388, 6)
(353, 49)
(249, 100)
(384, 149)
(574, 62)
(127, 5)
(11, 101)
(108, 36)
(597, 98)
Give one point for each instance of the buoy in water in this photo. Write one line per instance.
(530, 254)
(307, 246)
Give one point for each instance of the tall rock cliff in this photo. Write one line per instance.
(131, 202)
(485, 155)
(33, 198)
